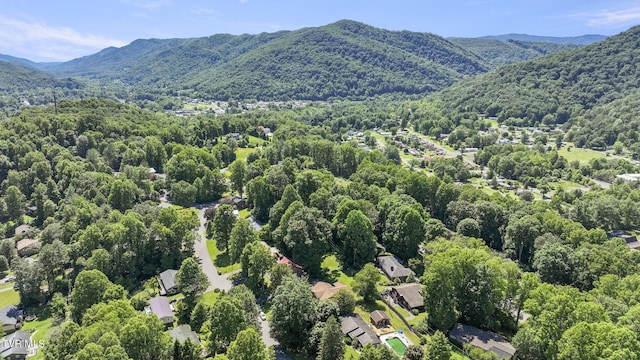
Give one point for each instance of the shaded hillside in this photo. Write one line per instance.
(344, 59)
(498, 52)
(578, 40)
(554, 88)
(16, 78)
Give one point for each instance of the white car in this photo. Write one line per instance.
(263, 316)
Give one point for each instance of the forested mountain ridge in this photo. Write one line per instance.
(552, 89)
(18, 78)
(578, 40)
(344, 59)
(502, 52)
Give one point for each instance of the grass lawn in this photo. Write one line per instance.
(242, 153)
(210, 297)
(333, 271)
(6, 285)
(9, 297)
(350, 353)
(579, 154)
(256, 140)
(221, 259)
(244, 213)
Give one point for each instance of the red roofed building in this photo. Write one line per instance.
(297, 269)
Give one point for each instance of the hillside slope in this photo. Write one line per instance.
(577, 40)
(16, 79)
(554, 88)
(344, 59)
(503, 52)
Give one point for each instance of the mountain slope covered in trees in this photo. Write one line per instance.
(502, 52)
(344, 59)
(16, 78)
(553, 89)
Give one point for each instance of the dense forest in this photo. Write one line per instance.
(481, 257)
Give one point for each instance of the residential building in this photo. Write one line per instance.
(379, 318)
(160, 306)
(22, 229)
(17, 346)
(11, 318)
(323, 290)
(167, 282)
(485, 340)
(295, 268)
(408, 295)
(183, 333)
(23, 246)
(357, 329)
(393, 269)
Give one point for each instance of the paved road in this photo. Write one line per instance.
(220, 281)
(200, 247)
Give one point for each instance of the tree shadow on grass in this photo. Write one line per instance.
(370, 306)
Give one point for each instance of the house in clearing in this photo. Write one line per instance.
(167, 282)
(160, 306)
(379, 318)
(357, 329)
(409, 296)
(485, 340)
(183, 333)
(392, 268)
(23, 246)
(295, 268)
(323, 290)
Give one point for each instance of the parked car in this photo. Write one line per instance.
(263, 316)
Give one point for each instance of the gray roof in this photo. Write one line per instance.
(168, 279)
(392, 267)
(17, 343)
(10, 315)
(184, 332)
(161, 307)
(356, 328)
(411, 293)
(485, 340)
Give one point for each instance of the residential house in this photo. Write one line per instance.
(22, 229)
(393, 269)
(16, 346)
(408, 295)
(11, 318)
(357, 329)
(379, 318)
(485, 340)
(323, 290)
(167, 282)
(23, 246)
(183, 333)
(238, 202)
(160, 306)
(295, 268)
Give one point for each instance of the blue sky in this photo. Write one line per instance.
(56, 30)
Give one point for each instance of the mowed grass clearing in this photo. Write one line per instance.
(579, 154)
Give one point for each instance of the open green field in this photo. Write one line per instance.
(242, 153)
(579, 154)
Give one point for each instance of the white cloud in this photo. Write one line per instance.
(606, 18)
(42, 41)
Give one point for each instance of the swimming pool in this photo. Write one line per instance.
(397, 345)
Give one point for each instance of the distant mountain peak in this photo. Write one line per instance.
(578, 40)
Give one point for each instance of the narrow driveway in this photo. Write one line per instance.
(216, 281)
